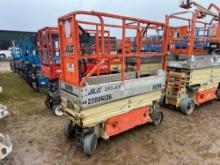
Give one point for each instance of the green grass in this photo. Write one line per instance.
(15, 88)
(19, 96)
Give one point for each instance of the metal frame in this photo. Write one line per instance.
(45, 44)
(192, 38)
(141, 26)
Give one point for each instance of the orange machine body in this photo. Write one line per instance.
(205, 96)
(48, 43)
(194, 37)
(76, 47)
(124, 122)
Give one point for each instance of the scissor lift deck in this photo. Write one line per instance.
(193, 69)
(195, 62)
(101, 104)
(100, 93)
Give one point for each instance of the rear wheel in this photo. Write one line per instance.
(187, 106)
(69, 129)
(90, 143)
(57, 110)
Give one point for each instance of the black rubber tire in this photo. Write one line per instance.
(90, 143)
(157, 117)
(2, 56)
(69, 129)
(187, 106)
(162, 101)
(56, 110)
(218, 94)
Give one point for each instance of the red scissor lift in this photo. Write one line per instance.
(194, 66)
(101, 102)
(48, 43)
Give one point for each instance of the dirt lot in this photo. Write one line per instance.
(38, 138)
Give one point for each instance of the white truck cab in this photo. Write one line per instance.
(7, 54)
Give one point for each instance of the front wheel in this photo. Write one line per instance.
(187, 106)
(90, 143)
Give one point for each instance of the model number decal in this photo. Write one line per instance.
(99, 99)
(113, 87)
(106, 89)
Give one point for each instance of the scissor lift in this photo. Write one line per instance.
(48, 45)
(29, 63)
(101, 104)
(194, 61)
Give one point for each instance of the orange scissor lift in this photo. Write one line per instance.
(101, 102)
(48, 44)
(194, 57)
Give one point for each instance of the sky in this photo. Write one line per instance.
(31, 15)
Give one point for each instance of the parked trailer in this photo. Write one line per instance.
(193, 71)
(101, 105)
(30, 68)
(48, 44)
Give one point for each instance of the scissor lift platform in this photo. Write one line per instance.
(104, 91)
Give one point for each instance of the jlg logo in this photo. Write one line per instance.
(69, 49)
